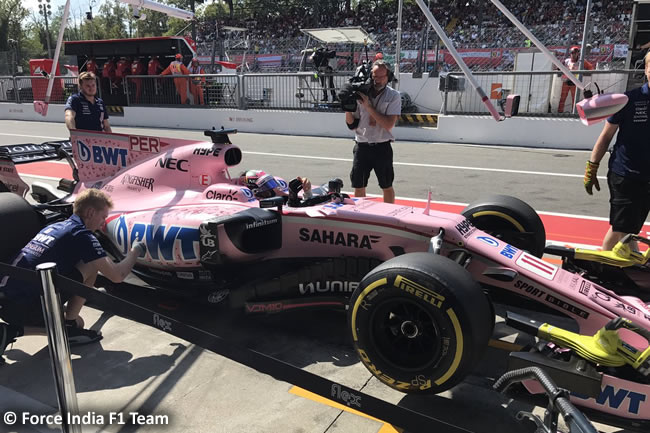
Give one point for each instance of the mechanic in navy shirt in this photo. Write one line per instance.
(78, 255)
(629, 164)
(83, 110)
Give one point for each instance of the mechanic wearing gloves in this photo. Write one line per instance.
(83, 110)
(629, 164)
(372, 122)
(78, 255)
(265, 185)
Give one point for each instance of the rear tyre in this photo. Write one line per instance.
(19, 222)
(420, 322)
(509, 219)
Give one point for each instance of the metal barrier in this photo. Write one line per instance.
(57, 339)
(541, 92)
(27, 89)
(213, 91)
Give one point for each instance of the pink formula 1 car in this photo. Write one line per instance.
(416, 283)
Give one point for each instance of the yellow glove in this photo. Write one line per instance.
(591, 179)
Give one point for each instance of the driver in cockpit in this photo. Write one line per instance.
(265, 185)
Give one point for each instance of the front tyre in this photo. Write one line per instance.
(509, 219)
(420, 322)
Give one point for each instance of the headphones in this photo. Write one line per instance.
(389, 69)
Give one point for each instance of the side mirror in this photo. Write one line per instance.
(600, 107)
(272, 202)
(512, 105)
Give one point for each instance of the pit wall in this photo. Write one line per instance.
(560, 133)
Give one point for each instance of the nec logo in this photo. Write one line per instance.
(102, 155)
(172, 164)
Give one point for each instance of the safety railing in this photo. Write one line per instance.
(27, 89)
(543, 94)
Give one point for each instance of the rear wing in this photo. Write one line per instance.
(13, 154)
(25, 153)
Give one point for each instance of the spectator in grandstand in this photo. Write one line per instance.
(628, 176)
(177, 68)
(372, 122)
(573, 64)
(78, 256)
(84, 110)
(197, 82)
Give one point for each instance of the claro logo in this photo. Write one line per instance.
(351, 240)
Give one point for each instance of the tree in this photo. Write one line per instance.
(12, 14)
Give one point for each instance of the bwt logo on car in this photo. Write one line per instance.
(102, 155)
(159, 239)
(614, 398)
(509, 251)
(338, 238)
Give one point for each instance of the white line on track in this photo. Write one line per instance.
(34, 136)
(407, 164)
(415, 164)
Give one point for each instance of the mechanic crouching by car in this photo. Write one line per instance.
(78, 256)
(629, 164)
(372, 122)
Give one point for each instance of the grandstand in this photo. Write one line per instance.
(475, 26)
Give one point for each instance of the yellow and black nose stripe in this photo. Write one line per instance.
(115, 110)
(430, 120)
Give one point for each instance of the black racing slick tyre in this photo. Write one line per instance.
(420, 323)
(509, 219)
(19, 222)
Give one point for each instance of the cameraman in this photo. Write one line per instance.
(372, 122)
(325, 61)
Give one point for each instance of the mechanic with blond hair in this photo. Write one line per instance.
(628, 176)
(78, 255)
(84, 110)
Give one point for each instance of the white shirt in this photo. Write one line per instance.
(388, 102)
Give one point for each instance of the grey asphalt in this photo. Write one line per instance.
(137, 368)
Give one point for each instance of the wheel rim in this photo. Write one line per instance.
(405, 335)
(505, 231)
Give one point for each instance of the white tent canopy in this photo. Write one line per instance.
(339, 35)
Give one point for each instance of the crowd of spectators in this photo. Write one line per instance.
(468, 23)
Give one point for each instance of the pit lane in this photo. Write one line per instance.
(140, 369)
